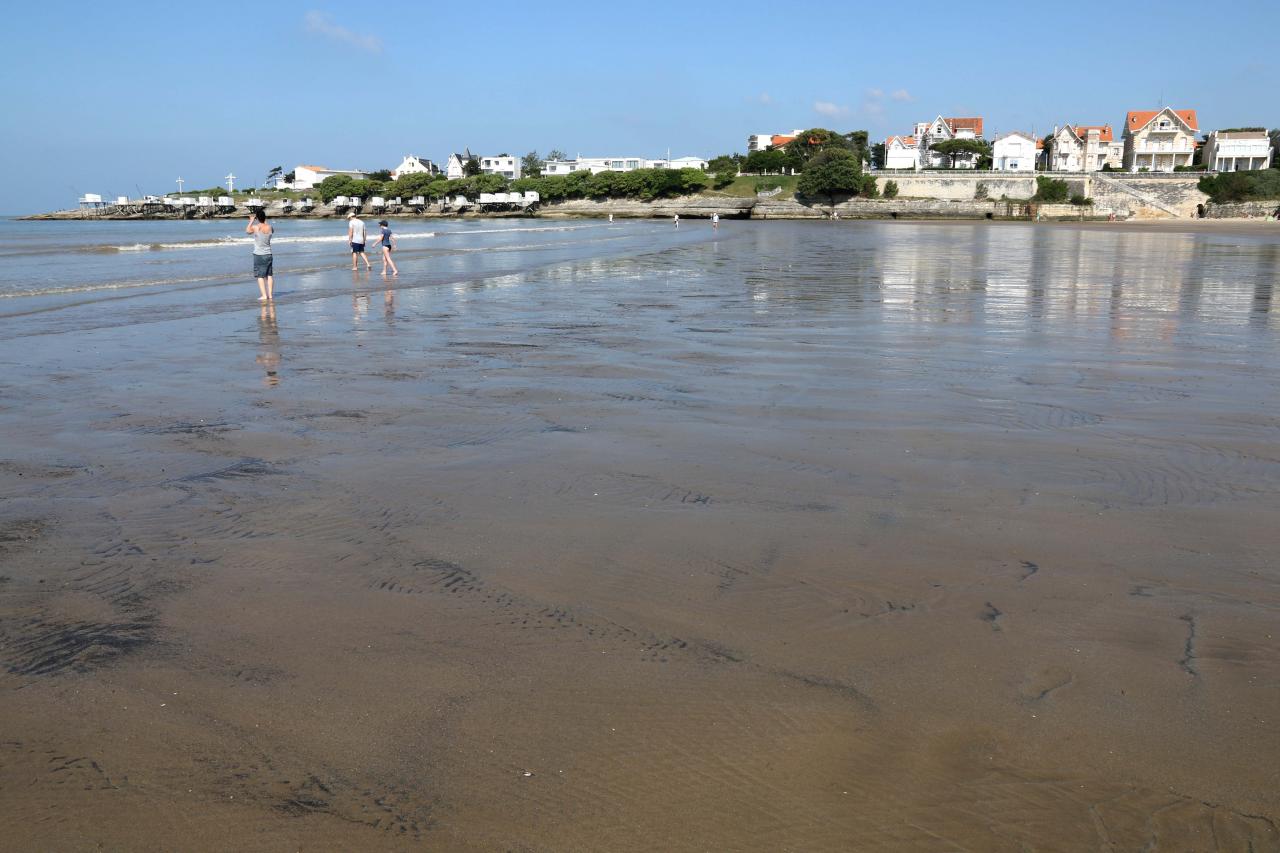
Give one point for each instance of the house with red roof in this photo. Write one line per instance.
(941, 129)
(901, 152)
(1159, 140)
(1084, 148)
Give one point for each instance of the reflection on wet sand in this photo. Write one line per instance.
(817, 536)
(269, 345)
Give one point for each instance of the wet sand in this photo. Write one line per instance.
(811, 537)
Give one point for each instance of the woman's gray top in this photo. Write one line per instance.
(261, 241)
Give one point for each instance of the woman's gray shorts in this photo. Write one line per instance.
(261, 266)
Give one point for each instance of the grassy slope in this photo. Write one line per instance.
(745, 186)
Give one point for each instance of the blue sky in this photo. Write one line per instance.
(117, 97)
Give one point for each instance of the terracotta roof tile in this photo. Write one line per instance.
(972, 123)
(1138, 119)
(1104, 131)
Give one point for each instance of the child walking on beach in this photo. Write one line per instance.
(262, 266)
(388, 243)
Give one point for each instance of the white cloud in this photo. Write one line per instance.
(320, 23)
(901, 95)
(875, 94)
(763, 98)
(830, 110)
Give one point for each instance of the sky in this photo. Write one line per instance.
(123, 98)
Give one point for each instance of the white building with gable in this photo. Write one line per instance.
(1014, 152)
(1159, 140)
(901, 152)
(412, 165)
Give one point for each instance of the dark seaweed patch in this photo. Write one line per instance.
(46, 647)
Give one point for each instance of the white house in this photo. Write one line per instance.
(1014, 152)
(618, 164)
(765, 141)
(1237, 150)
(455, 166)
(901, 152)
(942, 129)
(1159, 140)
(503, 164)
(412, 165)
(1083, 148)
(307, 177)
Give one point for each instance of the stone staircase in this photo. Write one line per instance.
(1147, 199)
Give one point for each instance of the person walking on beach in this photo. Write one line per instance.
(388, 244)
(261, 232)
(715, 222)
(355, 237)
(677, 220)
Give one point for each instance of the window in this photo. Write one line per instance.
(616, 164)
(633, 164)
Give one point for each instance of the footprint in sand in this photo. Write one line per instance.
(1042, 681)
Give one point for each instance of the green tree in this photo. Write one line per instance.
(725, 169)
(953, 148)
(768, 162)
(877, 155)
(856, 141)
(273, 174)
(556, 154)
(531, 164)
(806, 146)
(890, 189)
(381, 175)
(334, 186)
(471, 168)
(1050, 190)
(412, 184)
(829, 173)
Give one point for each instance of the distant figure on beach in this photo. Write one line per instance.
(610, 217)
(355, 237)
(715, 222)
(261, 231)
(388, 244)
(677, 220)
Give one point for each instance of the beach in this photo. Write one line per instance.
(589, 536)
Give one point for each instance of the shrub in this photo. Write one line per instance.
(1080, 201)
(869, 189)
(890, 189)
(1050, 190)
(1241, 186)
(980, 192)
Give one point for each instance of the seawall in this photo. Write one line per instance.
(921, 195)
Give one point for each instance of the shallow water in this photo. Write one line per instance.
(794, 536)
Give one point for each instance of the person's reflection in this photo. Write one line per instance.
(389, 306)
(269, 345)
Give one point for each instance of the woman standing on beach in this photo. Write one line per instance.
(388, 244)
(262, 266)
